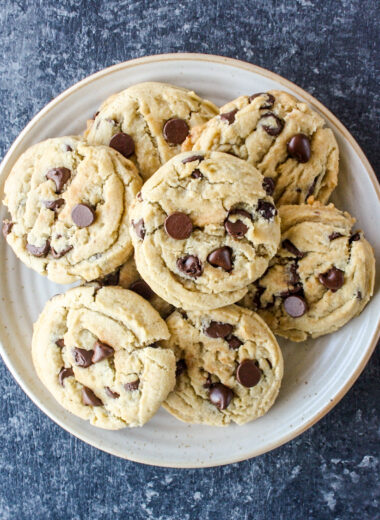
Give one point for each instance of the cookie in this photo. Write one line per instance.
(148, 122)
(94, 350)
(69, 205)
(322, 276)
(203, 228)
(282, 137)
(229, 366)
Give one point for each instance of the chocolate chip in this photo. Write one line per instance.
(39, 251)
(197, 174)
(110, 393)
(299, 148)
(234, 342)
(247, 373)
(7, 228)
(294, 276)
(221, 257)
(269, 99)
(220, 395)
(311, 188)
(190, 265)
(295, 306)
(82, 215)
(268, 185)
(354, 238)
(266, 209)
(142, 288)
(61, 253)
(236, 229)
(334, 235)
(139, 228)
(63, 373)
(130, 387)
(54, 204)
(208, 383)
(123, 143)
(60, 176)
(68, 148)
(180, 367)
(333, 279)
(229, 117)
(110, 279)
(217, 329)
(287, 244)
(60, 343)
(101, 351)
(82, 357)
(192, 158)
(273, 125)
(359, 295)
(178, 225)
(269, 363)
(89, 398)
(257, 297)
(175, 131)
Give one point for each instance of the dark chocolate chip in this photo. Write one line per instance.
(178, 225)
(234, 342)
(287, 244)
(197, 174)
(60, 343)
(229, 117)
(63, 373)
(266, 209)
(218, 330)
(59, 254)
(334, 235)
(268, 185)
(142, 288)
(60, 176)
(354, 237)
(39, 251)
(89, 398)
(102, 351)
(139, 228)
(299, 148)
(123, 143)
(359, 295)
(68, 148)
(110, 393)
(190, 265)
(220, 395)
(7, 228)
(192, 158)
(208, 383)
(272, 124)
(236, 229)
(54, 204)
(247, 373)
(269, 99)
(311, 188)
(180, 367)
(294, 276)
(221, 257)
(257, 297)
(82, 215)
(82, 357)
(175, 131)
(110, 279)
(295, 306)
(333, 279)
(130, 387)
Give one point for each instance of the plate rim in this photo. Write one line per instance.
(327, 114)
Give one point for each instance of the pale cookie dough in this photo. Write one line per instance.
(229, 366)
(94, 350)
(282, 137)
(203, 228)
(148, 122)
(322, 276)
(69, 205)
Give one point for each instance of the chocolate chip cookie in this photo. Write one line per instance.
(148, 122)
(229, 366)
(282, 137)
(203, 228)
(95, 350)
(322, 276)
(69, 205)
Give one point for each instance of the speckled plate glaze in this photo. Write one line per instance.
(317, 373)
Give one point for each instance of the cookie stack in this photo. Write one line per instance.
(197, 233)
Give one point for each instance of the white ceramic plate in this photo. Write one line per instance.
(317, 373)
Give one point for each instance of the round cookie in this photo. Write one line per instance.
(282, 137)
(148, 122)
(203, 228)
(94, 349)
(69, 205)
(229, 366)
(322, 276)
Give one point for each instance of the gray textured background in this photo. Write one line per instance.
(328, 47)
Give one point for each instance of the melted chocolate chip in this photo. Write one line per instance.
(190, 265)
(123, 143)
(266, 209)
(60, 176)
(359, 295)
(247, 373)
(197, 174)
(236, 229)
(295, 306)
(354, 237)
(60, 343)
(89, 398)
(101, 351)
(178, 225)
(272, 124)
(220, 395)
(7, 228)
(59, 254)
(334, 235)
(142, 288)
(39, 251)
(192, 158)
(268, 103)
(299, 148)
(63, 373)
(229, 117)
(175, 131)
(139, 228)
(311, 188)
(82, 357)
(131, 387)
(234, 342)
(287, 244)
(110, 393)
(110, 279)
(180, 367)
(268, 186)
(218, 330)
(54, 204)
(294, 276)
(333, 279)
(257, 296)
(221, 257)
(82, 215)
